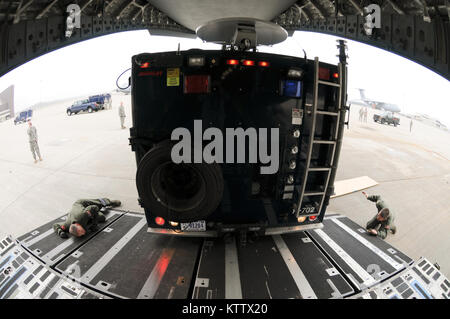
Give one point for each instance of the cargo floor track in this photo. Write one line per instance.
(122, 260)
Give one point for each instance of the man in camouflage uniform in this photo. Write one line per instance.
(383, 221)
(32, 138)
(84, 215)
(122, 115)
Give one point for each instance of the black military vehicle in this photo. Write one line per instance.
(302, 99)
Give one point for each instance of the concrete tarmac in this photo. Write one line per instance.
(84, 155)
(413, 172)
(88, 155)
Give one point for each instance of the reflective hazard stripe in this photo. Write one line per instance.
(367, 279)
(370, 246)
(297, 274)
(233, 288)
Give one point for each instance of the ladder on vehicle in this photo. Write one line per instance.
(313, 140)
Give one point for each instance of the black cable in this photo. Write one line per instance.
(117, 80)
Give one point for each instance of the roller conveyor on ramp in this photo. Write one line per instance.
(122, 260)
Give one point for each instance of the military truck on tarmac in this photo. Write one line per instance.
(387, 118)
(104, 100)
(23, 116)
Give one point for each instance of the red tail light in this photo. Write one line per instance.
(196, 84)
(324, 74)
(232, 62)
(312, 218)
(248, 63)
(336, 75)
(145, 65)
(159, 221)
(263, 63)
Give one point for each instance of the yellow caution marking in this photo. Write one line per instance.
(173, 77)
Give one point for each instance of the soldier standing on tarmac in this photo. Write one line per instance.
(122, 115)
(32, 138)
(383, 221)
(84, 216)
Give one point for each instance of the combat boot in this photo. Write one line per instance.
(393, 230)
(115, 203)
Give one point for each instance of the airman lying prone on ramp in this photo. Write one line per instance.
(84, 215)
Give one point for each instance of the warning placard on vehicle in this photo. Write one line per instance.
(297, 115)
(173, 77)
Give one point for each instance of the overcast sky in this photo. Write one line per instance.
(93, 66)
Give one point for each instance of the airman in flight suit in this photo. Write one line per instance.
(383, 221)
(84, 215)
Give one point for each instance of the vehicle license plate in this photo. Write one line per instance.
(199, 225)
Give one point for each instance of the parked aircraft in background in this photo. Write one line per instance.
(364, 101)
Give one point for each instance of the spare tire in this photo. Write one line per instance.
(182, 192)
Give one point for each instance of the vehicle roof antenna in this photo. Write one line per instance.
(304, 54)
(178, 51)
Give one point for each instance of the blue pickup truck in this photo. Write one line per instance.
(23, 117)
(83, 105)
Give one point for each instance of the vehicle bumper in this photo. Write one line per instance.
(215, 233)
